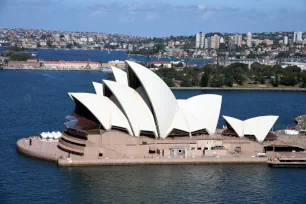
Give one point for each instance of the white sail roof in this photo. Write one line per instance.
(163, 103)
(105, 111)
(180, 122)
(236, 124)
(98, 88)
(192, 122)
(133, 106)
(120, 75)
(258, 126)
(206, 108)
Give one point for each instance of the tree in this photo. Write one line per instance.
(303, 84)
(16, 57)
(228, 80)
(169, 82)
(289, 80)
(49, 44)
(217, 81)
(186, 82)
(204, 80)
(274, 81)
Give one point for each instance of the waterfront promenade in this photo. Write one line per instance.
(47, 150)
(163, 161)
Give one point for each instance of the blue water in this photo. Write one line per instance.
(103, 56)
(36, 101)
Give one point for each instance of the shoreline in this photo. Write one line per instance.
(237, 89)
(161, 161)
(43, 69)
(172, 88)
(25, 150)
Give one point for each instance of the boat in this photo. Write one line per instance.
(105, 69)
(1, 66)
(288, 162)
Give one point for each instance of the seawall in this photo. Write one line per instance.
(163, 161)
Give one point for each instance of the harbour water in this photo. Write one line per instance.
(36, 101)
(103, 56)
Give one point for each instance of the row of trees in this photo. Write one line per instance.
(18, 57)
(237, 74)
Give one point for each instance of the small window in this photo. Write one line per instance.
(180, 150)
(192, 148)
(199, 148)
(100, 154)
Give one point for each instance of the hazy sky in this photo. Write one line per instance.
(154, 17)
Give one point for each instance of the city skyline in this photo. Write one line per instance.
(155, 18)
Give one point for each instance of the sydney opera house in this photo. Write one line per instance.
(138, 116)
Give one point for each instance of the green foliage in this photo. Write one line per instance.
(18, 57)
(237, 73)
(204, 80)
(289, 80)
(303, 84)
(186, 82)
(283, 55)
(228, 79)
(217, 81)
(274, 81)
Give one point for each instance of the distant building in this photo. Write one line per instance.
(200, 40)
(285, 40)
(207, 43)
(298, 37)
(71, 65)
(268, 42)
(161, 64)
(249, 39)
(215, 42)
(238, 40)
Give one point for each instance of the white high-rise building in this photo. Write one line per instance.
(215, 42)
(298, 37)
(249, 39)
(200, 40)
(285, 40)
(238, 40)
(202, 43)
(206, 43)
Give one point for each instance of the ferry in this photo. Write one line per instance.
(288, 162)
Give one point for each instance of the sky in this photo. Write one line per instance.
(155, 18)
